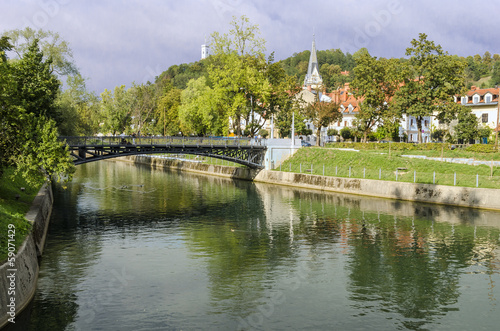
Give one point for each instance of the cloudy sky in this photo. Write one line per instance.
(119, 42)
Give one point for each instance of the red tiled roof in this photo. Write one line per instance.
(495, 91)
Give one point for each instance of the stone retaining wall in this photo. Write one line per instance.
(27, 258)
(440, 194)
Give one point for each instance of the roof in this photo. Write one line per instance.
(494, 91)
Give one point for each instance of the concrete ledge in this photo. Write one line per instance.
(438, 194)
(27, 262)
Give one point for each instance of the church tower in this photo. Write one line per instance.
(313, 79)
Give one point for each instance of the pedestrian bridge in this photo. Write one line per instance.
(245, 151)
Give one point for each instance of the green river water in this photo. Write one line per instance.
(130, 248)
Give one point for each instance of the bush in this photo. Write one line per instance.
(332, 132)
(481, 148)
(263, 133)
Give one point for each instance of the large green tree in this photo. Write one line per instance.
(431, 78)
(51, 45)
(116, 111)
(78, 108)
(237, 73)
(28, 136)
(375, 84)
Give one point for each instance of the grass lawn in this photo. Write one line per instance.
(12, 210)
(378, 164)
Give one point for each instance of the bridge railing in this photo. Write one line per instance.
(170, 140)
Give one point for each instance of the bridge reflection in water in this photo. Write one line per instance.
(246, 151)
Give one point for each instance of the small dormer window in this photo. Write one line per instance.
(464, 100)
(350, 108)
(487, 98)
(475, 99)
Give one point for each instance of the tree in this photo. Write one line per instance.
(321, 114)
(346, 133)
(28, 139)
(467, 127)
(196, 115)
(431, 78)
(37, 87)
(116, 110)
(78, 108)
(237, 73)
(167, 112)
(52, 46)
(375, 84)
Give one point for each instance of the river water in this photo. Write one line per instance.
(130, 248)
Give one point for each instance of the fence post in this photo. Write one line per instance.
(349, 172)
(323, 169)
(414, 176)
(336, 170)
(280, 166)
(396, 175)
(364, 172)
(434, 178)
(477, 180)
(300, 168)
(311, 169)
(290, 166)
(455, 179)
(379, 173)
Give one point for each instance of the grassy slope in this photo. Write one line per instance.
(12, 210)
(371, 164)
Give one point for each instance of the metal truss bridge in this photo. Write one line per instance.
(245, 151)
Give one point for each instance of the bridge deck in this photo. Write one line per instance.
(249, 152)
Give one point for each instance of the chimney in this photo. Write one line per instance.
(473, 88)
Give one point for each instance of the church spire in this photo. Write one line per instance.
(313, 78)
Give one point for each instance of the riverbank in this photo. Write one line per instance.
(18, 276)
(438, 194)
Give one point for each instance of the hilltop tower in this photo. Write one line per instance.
(204, 50)
(313, 79)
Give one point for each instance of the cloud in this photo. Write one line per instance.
(118, 42)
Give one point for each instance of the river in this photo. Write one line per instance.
(130, 248)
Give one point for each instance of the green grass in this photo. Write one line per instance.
(12, 210)
(378, 164)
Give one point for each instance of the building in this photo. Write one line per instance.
(484, 104)
(204, 51)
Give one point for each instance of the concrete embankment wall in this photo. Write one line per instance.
(26, 265)
(440, 194)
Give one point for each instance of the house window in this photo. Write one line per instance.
(464, 100)
(487, 98)
(345, 123)
(426, 123)
(411, 122)
(350, 108)
(484, 118)
(475, 99)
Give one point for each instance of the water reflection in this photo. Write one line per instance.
(130, 249)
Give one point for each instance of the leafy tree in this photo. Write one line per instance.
(467, 127)
(375, 84)
(28, 139)
(346, 133)
(321, 114)
(52, 46)
(332, 132)
(78, 108)
(237, 73)
(196, 115)
(430, 78)
(116, 110)
(167, 111)
(37, 87)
